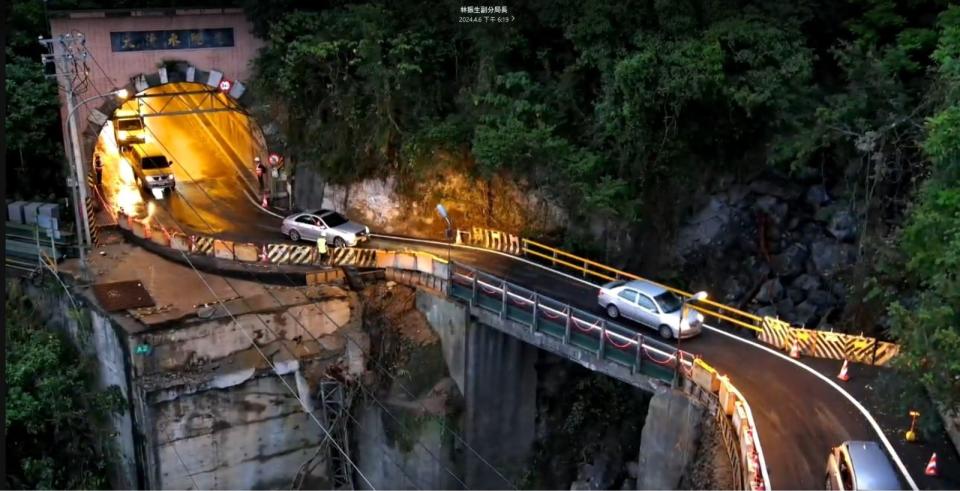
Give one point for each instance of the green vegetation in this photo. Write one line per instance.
(54, 415)
(921, 277)
(597, 416)
(617, 107)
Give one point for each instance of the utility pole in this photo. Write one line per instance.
(68, 53)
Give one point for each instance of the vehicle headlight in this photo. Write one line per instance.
(367, 230)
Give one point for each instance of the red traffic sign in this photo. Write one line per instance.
(275, 159)
(225, 85)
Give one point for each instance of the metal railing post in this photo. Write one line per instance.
(566, 330)
(536, 312)
(603, 338)
(503, 299)
(639, 356)
(554, 258)
(678, 366)
(585, 267)
(473, 294)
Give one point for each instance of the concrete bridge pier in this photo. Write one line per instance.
(497, 376)
(501, 397)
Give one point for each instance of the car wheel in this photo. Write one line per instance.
(613, 311)
(294, 235)
(666, 332)
(339, 242)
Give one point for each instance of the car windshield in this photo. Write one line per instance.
(130, 125)
(334, 219)
(154, 163)
(668, 302)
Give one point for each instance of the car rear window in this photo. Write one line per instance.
(334, 219)
(154, 163)
(129, 125)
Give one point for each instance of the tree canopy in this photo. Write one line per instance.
(621, 109)
(54, 413)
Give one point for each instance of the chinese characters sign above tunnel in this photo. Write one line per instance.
(178, 39)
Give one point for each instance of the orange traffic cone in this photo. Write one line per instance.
(263, 254)
(843, 375)
(795, 350)
(931, 469)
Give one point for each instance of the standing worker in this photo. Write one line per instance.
(260, 170)
(322, 245)
(98, 168)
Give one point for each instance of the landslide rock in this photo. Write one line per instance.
(830, 257)
(770, 291)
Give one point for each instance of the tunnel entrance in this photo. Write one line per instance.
(182, 154)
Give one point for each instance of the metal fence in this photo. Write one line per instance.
(605, 340)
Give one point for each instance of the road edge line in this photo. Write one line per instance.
(838, 388)
(831, 383)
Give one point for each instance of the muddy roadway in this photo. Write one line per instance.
(216, 190)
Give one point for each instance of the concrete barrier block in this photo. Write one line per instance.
(159, 237)
(739, 416)
(180, 242)
(246, 252)
(406, 260)
(441, 269)
(140, 229)
(727, 397)
(746, 447)
(386, 259)
(705, 376)
(425, 263)
(223, 249)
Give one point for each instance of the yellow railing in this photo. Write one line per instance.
(602, 271)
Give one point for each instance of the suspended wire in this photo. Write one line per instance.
(369, 355)
(269, 292)
(259, 351)
(335, 323)
(173, 443)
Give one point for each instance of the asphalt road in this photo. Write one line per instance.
(211, 196)
(799, 416)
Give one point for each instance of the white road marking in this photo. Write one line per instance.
(831, 383)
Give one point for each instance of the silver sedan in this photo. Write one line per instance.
(651, 305)
(310, 225)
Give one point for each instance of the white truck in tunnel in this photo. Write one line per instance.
(128, 128)
(151, 167)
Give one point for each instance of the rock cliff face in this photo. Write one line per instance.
(389, 206)
(774, 247)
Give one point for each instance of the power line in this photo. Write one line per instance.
(370, 356)
(279, 303)
(267, 360)
(379, 366)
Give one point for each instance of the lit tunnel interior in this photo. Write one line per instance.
(210, 144)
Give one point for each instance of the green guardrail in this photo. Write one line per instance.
(601, 338)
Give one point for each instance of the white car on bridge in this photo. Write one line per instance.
(651, 305)
(338, 229)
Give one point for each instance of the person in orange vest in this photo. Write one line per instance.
(322, 246)
(98, 168)
(260, 168)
